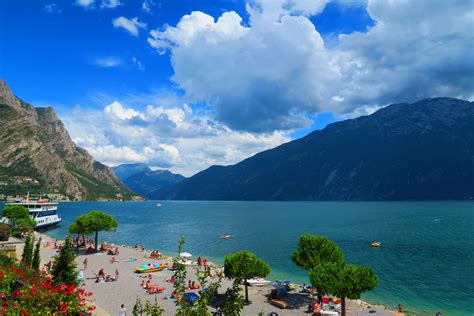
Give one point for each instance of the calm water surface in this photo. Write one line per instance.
(426, 262)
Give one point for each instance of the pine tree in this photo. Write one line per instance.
(28, 250)
(36, 256)
(64, 270)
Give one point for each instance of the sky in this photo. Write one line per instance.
(186, 84)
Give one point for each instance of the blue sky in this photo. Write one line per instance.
(187, 84)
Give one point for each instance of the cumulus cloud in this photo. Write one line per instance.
(267, 74)
(51, 8)
(174, 137)
(110, 4)
(108, 62)
(117, 111)
(130, 25)
(85, 3)
(417, 49)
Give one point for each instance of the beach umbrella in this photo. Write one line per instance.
(185, 255)
(191, 297)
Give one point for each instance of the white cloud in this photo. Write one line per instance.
(130, 25)
(146, 5)
(110, 4)
(268, 73)
(173, 137)
(138, 63)
(85, 3)
(118, 111)
(108, 62)
(51, 8)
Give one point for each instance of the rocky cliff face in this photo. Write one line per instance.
(34, 142)
(419, 151)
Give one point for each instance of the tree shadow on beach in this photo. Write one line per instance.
(295, 300)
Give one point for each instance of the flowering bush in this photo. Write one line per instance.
(25, 291)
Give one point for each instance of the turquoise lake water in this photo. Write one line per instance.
(426, 262)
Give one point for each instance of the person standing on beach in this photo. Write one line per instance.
(85, 264)
(204, 262)
(122, 311)
(143, 247)
(199, 262)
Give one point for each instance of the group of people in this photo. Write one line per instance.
(136, 247)
(155, 254)
(113, 251)
(202, 262)
(193, 285)
(101, 276)
(55, 245)
(151, 288)
(82, 241)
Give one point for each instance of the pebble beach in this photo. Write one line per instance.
(108, 296)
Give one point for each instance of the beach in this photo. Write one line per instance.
(109, 296)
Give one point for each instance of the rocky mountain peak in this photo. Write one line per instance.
(7, 97)
(35, 143)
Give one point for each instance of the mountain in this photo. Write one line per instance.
(149, 183)
(418, 151)
(38, 155)
(126, 170)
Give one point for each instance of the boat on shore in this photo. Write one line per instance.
(258, 282)
(43, 211)
(151, 268)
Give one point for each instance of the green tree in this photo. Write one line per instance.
(36, 256)
(64, 270)
(148, 309)
(13, 212)
(233, 301)
(27, 255)
(25, 224)
(19, 217)
(92, 223)
(314, 251)
(244, 265)
(343, 280)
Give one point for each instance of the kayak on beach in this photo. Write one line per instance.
(151, 268)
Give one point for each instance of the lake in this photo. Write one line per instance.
(425, 263)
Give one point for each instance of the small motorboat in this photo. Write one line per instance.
(376, 244)
(258, 282)
(151, 268)
(158, 204)
(226, 236)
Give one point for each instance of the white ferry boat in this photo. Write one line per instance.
(44, 212)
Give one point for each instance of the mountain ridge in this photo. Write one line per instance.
(391, 154)
(36, 144)
(140, 178)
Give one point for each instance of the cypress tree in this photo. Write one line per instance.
(36, 256)
(64, 270)
(28, 250)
